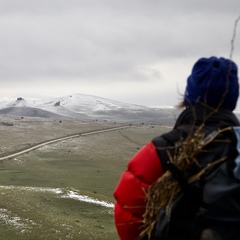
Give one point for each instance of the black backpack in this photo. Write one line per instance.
(188, 210)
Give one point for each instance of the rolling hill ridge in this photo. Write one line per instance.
(86, 107)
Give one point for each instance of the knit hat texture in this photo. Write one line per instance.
(213, 81)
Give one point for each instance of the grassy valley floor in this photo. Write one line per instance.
(65, 190)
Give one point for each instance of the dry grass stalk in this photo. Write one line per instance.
(162, 193)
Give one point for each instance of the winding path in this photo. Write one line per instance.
(41, 144)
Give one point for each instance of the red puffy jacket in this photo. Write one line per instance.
(143, 169)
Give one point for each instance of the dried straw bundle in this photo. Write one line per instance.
(162, 193)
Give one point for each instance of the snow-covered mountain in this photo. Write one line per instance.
(86, 107)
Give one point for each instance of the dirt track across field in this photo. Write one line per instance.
(41, 144)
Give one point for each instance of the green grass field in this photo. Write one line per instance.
(64, 190)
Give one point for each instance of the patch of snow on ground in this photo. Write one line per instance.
(14, 220)
(75, 195)
(72, 194)
(34, 189)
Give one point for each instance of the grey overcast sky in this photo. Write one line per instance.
(135, 51)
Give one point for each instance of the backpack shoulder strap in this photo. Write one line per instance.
(166, 142)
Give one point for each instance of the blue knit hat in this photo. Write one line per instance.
(213, 80)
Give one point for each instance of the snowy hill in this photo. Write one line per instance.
(86, 107)
(28, 111)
